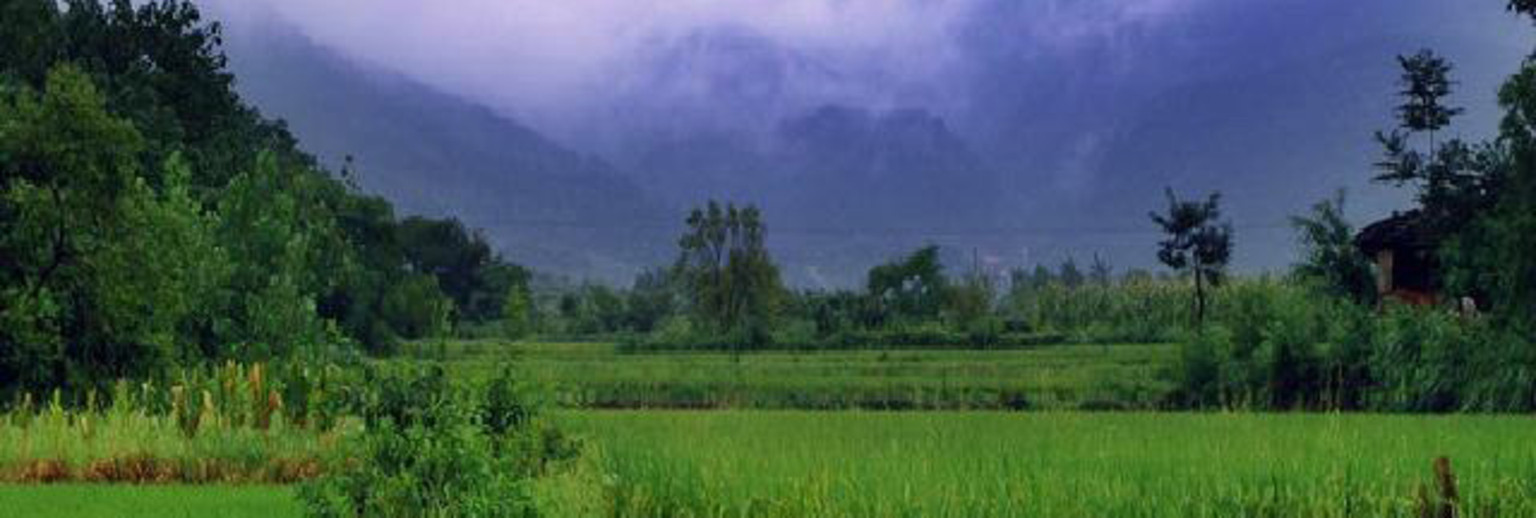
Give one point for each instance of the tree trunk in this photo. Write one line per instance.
(1199, 299)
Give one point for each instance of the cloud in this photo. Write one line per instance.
(547, 60)
(545, 56)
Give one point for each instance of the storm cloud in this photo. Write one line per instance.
(557, 63)
(1075, 112)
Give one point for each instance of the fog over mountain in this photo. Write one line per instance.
(577, 133)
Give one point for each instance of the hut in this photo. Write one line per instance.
(1403, 248)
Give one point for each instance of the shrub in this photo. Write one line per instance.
(433, 447)
(1198, 375)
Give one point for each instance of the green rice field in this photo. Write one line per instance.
(125, 501)
(986, 464)
(775, 441)
(597, 375)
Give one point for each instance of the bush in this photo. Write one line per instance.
(1199, 371)
(1287, 348)
(433, 447)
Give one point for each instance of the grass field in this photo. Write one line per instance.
(746, 460)
(773, 464)
(123, 501)
(1048, 377)
(770, 464)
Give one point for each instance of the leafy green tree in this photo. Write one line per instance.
(266, 252)
(733, 284)
(1329, 256)
(466, 268)
(415, 308)
(913, 288)
(971, 301)
(100, 273)
(1494, 257)
(651, 299)
(1197, 242)
(605, 307)
(273, 230)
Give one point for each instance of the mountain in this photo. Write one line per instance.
(432, 153)
(1044, 143)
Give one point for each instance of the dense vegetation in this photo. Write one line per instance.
(150, 219)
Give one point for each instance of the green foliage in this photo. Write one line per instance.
(270, 220)
(415, 308)
(78, 216)
(1458, 185)
(970, 302)
(466, 268)
(1330, 258)
(913, 288)
(148, 217)
(517, 313)
(733, 284)
(1196, 242)
(650, 300)
(1136, 309)
(433, 447)
(1289, 348)
(1495, 257)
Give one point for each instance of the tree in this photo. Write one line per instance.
(651, 299)
(911, 288)
(1197, 242)
(1329, 256)
(99, 274)
(414, 308)
(517, 313)
(1426, 83)
(733, 284)
(447, 250)
(971, 301)
(1071, 276)
(1454, 180)
(1100, 273)
(29, 38)
(1495, 256)
(281, 240)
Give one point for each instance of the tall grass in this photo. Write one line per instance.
(225, 424)
(1145, 310)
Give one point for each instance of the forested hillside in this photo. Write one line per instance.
(152, 218)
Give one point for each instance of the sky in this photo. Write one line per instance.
(570, 67)
(1082, 107)
(552, 63)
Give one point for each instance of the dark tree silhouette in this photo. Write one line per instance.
(1196, 242)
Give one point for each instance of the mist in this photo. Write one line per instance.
(1065, 117)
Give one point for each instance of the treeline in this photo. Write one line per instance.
(726, 295)
(150, 218)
